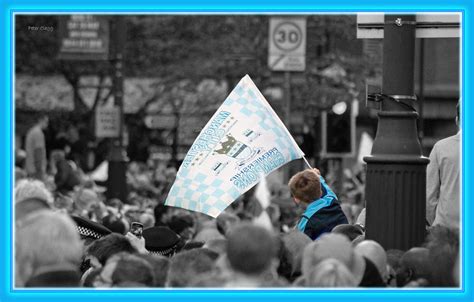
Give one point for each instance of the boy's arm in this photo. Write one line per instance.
(325, 189)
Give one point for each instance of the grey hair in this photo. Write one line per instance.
(44, 239)
(330, 273)
(32, 188)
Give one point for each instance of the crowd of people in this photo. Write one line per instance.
(69, 234)
(81, 239)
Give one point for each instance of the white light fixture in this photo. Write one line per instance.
(339, 108)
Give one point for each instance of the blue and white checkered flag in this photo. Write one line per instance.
(243, 140)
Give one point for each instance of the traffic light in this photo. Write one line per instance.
(338, 131)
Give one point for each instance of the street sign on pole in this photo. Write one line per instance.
(83, 37)
(107, 122)
(371, 26)
(287, 44)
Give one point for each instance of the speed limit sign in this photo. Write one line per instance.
(287, 43)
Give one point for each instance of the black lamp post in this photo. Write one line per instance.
(396, 169)
(116, 182)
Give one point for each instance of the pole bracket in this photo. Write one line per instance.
(405, 100)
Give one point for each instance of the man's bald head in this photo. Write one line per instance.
(375, 253)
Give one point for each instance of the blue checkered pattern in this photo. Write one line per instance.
(210, 197)
(250, 103)
(199, 190)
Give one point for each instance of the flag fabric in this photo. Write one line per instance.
(243, 140)
(365, 147)
(262, 195)
(101, 173)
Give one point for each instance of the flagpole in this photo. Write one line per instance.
(306, 161)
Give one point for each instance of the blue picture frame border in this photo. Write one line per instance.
(7, 126)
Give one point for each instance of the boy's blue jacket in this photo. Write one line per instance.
(323, 214)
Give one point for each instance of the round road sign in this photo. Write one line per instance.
(287, 36)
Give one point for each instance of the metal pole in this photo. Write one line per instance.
(396, 169)
(421, 99)
(286, 170)
(116, 182)
(118, 72)
(287, 99)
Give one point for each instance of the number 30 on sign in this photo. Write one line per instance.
(287, 43)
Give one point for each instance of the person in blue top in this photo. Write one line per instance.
(322, 209)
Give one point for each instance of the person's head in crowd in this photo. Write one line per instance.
(204, 221)
(115, 205)
(439, 235)
(160, 265)
(56, 157)
(42, 121)
(125, 270)
(170, 172)
(160, 212)
(443, 246)
(305, 187)
(375, 253)
(63, 203)
(349, 230)
(226, 221)
(116, 224)
(218, 245)
(29, 207)
(213, 279)
(188, 266)
(251, 249)
(291, 254)
(31, 195)
(285, 265)
(335, 246)
(147, 219)
(102, 249)
(330, 273)
(393, 262)
(413, 265)
(32, 188)
(393, 258)
(183, 224)
(274, 213)
(212, 254)
(47, 242)
(84, 201)
(208, 234)
(244, 216)
(162, 241)
(131, 213)
(89, 230)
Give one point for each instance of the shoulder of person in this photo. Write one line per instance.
(448, 141)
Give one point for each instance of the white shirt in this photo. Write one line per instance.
(443, 183)
(34, 140)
